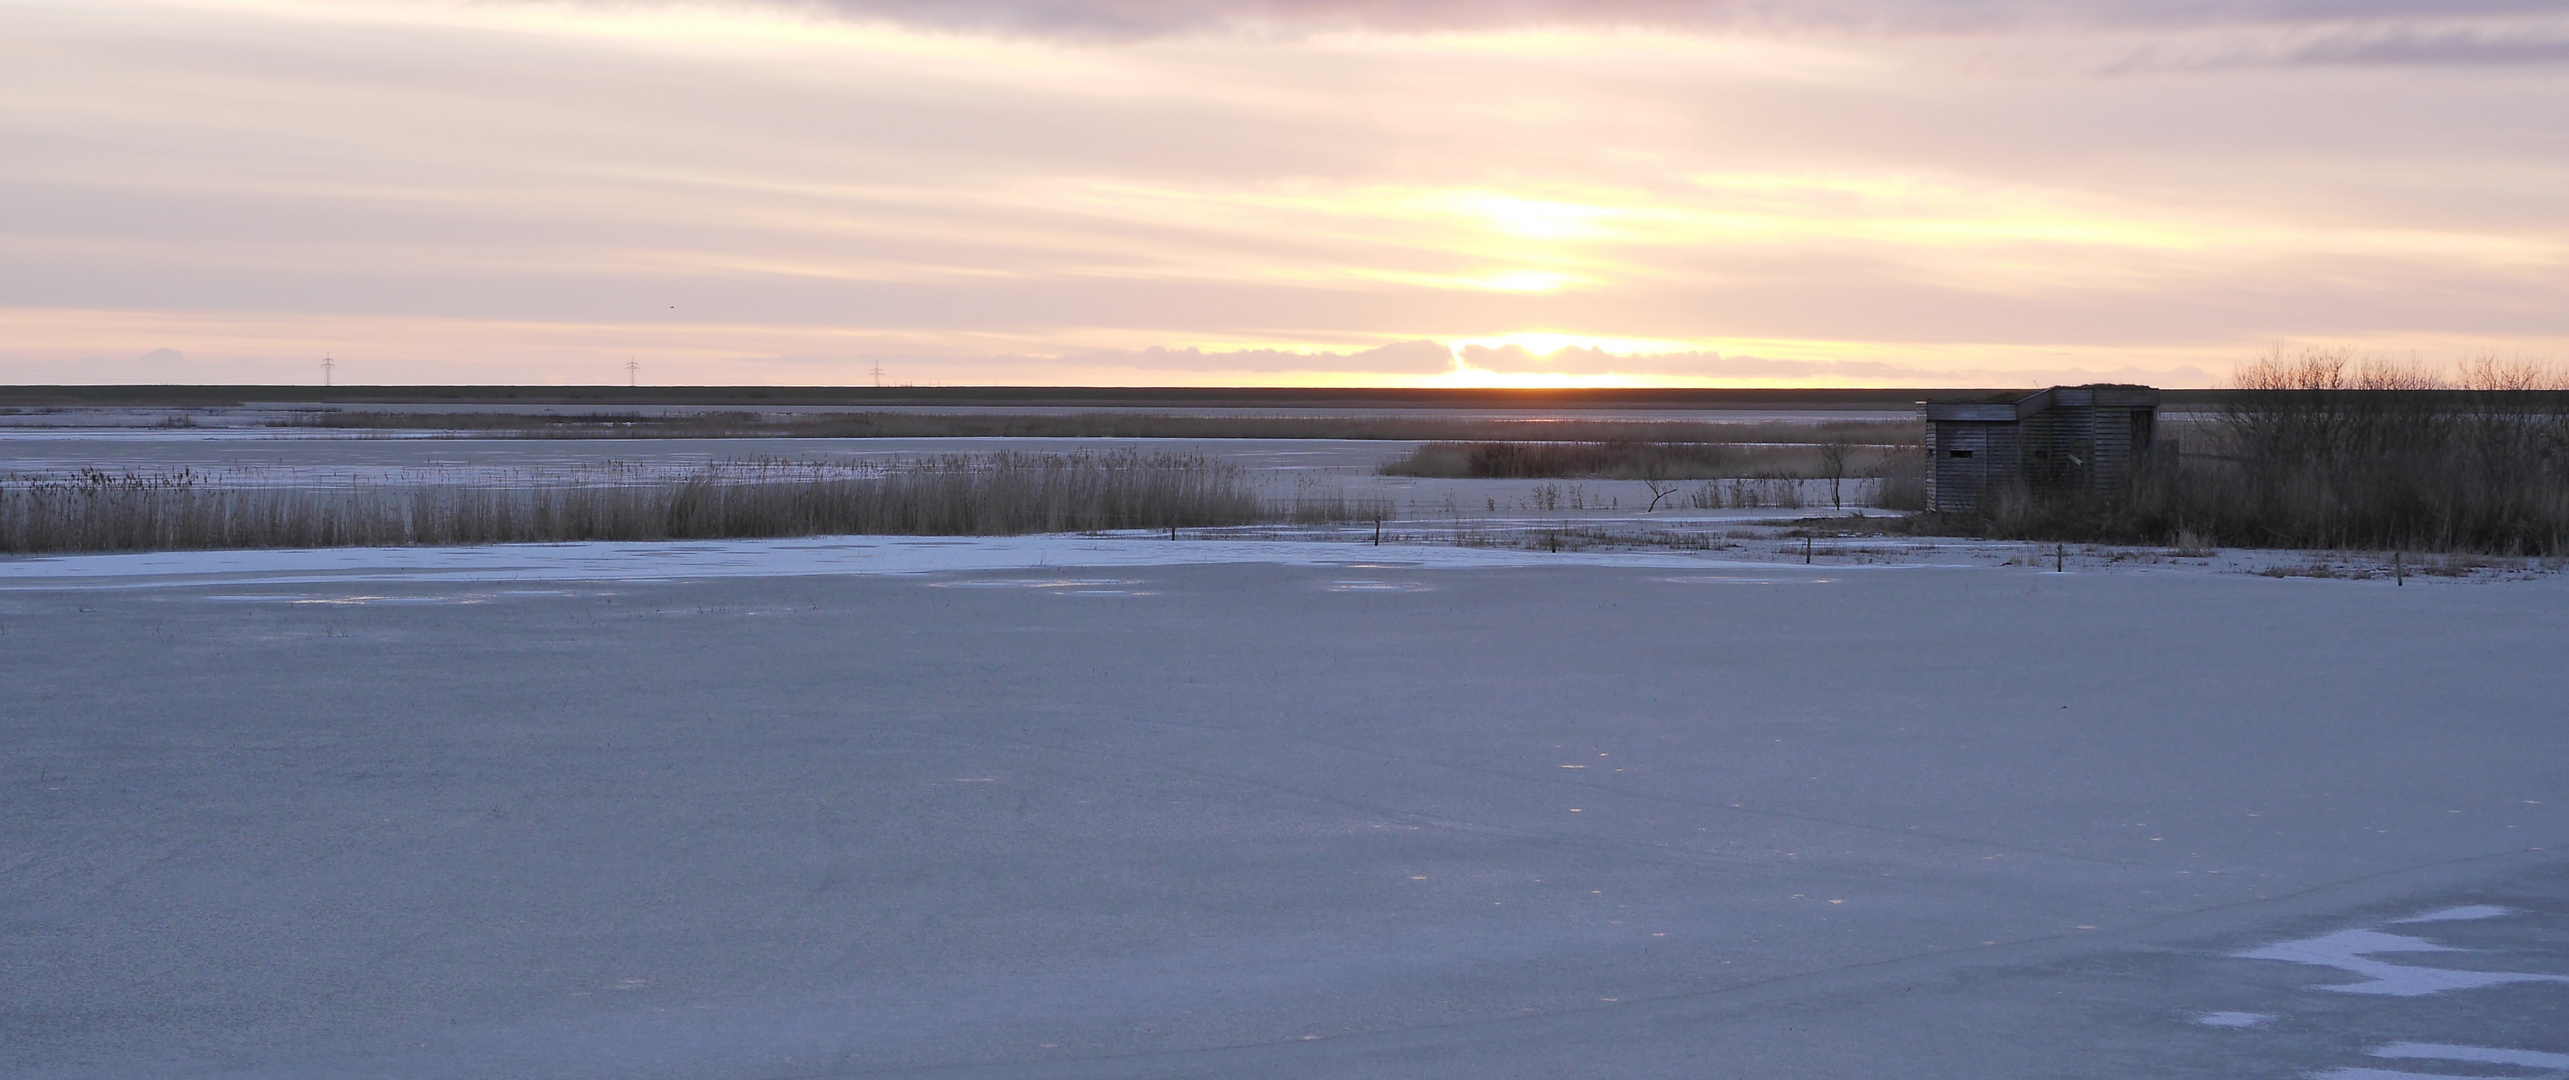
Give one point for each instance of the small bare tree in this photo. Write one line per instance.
(1833, 460)
(1655, 470)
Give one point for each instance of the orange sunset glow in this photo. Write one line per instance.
(1113, 192)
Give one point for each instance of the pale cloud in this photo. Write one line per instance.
(1136, 19)
(1403, 358)
(2549, 45)
(1069, 192)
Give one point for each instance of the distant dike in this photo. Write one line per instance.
(1252, 397)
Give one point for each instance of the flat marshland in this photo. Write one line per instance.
(2309, 454)
(1820, 428)
(463, 478)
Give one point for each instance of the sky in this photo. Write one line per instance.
(1246, 192)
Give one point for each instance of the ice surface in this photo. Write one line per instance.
(868, 555)
(921, 807)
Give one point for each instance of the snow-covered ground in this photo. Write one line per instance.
(695, 560)
(1115, 806)
(1668, 802)
(1743, 541)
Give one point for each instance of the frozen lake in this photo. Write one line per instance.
(1093, 808)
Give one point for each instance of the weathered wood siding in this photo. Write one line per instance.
(1967, 459)
(2073, 438)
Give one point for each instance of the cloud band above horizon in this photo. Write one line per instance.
(1069, 192)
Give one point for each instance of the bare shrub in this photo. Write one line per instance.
(2322, 449)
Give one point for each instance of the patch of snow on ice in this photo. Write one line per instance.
(2347, 950)
(2458, 914)
(364, 601)
(2233, 1019)
(1033, 583)
(2483, 1055)
(1377, 586)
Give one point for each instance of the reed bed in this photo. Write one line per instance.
(1835, 474)
(1633, 459)
(993, 495)
(1552, 460)
(1746, 494)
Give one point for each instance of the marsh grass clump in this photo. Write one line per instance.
(1001, 494)
(1902, 477)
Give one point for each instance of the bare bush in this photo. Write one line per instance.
(2322, 449)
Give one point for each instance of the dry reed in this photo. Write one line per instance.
(1632, 459)
(999, 494)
